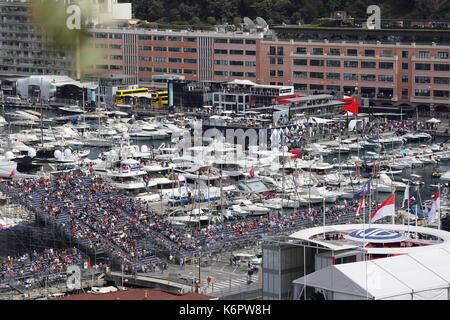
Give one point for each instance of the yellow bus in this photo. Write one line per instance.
(160, 99)
(122, 94)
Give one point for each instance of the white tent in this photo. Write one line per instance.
(422, 275)
(433, 120)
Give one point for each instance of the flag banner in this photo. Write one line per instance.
(386, 209)
(365, 190)
(361, 206)
(435, 207)
(405, 196)
(86, 265)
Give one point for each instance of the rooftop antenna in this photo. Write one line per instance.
(262, 23)
(248, 23)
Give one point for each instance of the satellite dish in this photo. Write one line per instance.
(261, 22)
(67, 153)
(249, 22)
(57, 154)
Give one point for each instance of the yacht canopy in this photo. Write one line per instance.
(130, 162)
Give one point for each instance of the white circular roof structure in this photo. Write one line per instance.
(359, 235)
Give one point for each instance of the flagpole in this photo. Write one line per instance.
(408, 206)
(323, 217)
(439, 209)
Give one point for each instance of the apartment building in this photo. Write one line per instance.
(396, 73)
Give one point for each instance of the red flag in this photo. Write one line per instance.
(252, 173)
(386, 209)
(12, 173)
(361, 205)
(435, 207)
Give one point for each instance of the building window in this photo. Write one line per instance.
(189, 39)
(440, 93)
(369, 53)
(145, 69)
(220, 51)
(316, 63)
(272, 51)
(352, 52)
(387, 53)
(250, 63)
(237, 41)
(405, 93)
(423, 66)
(159, 38)
(280, 51)
(280, 60)
(422, 93)
(334, 63)
(368, 77)
(405, 54)
(174, 38)
(174, 49)
(220, 40)
(386, 78)
(250, 52)
(236, 52)
(250, 74)
(405, 65)
(316, 75)
(159, 59)
(115, 36)
(300, 62)
(405, 78)
(175, 60)
(192, 50)
(221, 73)
(300, 74)
(142, 37)
(185, 60)
(368, 64)
(335, 51)
(301, 50)
(441, 67)
(350, 64)
(143, 58)
(173, 70)
(318, 51)
(190, 71)
(221, 62)
(351, 76)
(115, 67)
(250, 41)
(280, 73)
(272, 73)
(424, 54)
(145, 48)
(386, 65)
(316, 87)
(422, 79)
(334, 88)
(236, 74)
(333, 76)
(441, 80)
(300, 86)
(116, 57)
(115, 46)
(236, 63)
(160, 49)
(101, 35)
(272, 60)
(442, 55)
